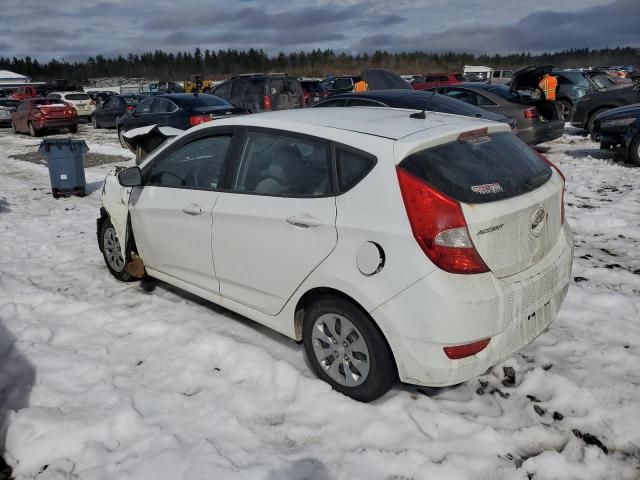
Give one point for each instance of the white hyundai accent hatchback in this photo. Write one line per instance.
(395, 245)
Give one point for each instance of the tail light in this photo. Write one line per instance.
(198, 119)
(70, 111)
(92, 102)
(531, 113)
(130, 108)
(463, 351)
(564, 183)
(267, 102)
(439, 226)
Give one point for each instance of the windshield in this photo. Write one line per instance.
(481, 169)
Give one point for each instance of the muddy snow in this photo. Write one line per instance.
(104, 380)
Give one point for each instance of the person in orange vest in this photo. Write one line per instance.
(360, 86)
(548, 86)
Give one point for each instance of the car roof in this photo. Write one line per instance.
(389, 123)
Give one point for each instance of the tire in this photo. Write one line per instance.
(634, 151)
(336, 332)
(121, 138)
(112, 252)
(94, 122)
(33, 131)
(592, 118)
(565, 109)
(73, 129)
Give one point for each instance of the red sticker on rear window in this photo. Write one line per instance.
(487, 188)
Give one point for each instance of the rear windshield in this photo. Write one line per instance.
(313, 87)
(202, 100)
(506, 93)
(77, 96)
(132, 100)
(480, 170)
(48, 101)
(8, 103)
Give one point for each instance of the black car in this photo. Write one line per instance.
(412, 99)
(259, 92)
(631, 140)
(177, 110)
(101, 97)
(105, 116)
(574, 84)
(611, 127)
(590, 106)
(7, 107)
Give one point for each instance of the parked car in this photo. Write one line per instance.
(393, 246)
(313, 92)
(79, 100)
(105, 116)
(501, 77)
(27, 91)
(610, 127)
(575, 84)
(430, 80)
(537, 121)
(591, 105)
(7, 107)
(177, 110)
(262, 92)
(412, 99)
(337, 85)
(631, 141)
(38, 115)
(100, 97)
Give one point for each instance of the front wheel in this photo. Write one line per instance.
(33, 131)
(121, 138)
(592, 119)
(634, 153)
(346, 350)
(112, 252)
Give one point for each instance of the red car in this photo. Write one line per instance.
(27, 91)
(431, 80)
(35, 115)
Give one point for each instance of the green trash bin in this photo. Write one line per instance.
(65, 160)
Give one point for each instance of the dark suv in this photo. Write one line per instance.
(574, 84)
(259, 92)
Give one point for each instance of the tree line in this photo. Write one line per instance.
(162, 65)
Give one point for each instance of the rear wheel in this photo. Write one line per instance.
(112, 252)
(33, 131)
(346, 350)
(565, 109)
(634, 153)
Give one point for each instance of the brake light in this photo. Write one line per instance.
(70, 111)
(198, 119)
(463, 351)
(531, 113)
(439, 226)
(267, 102)
(130, 108)
(564, 183)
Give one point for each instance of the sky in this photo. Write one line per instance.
(75, 29)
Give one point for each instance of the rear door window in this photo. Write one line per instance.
(481, 169)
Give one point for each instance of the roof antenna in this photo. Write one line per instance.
(420, 115)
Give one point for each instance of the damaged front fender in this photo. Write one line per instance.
(115, 204)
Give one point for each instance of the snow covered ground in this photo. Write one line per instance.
(104, 380)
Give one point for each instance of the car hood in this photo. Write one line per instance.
(144, 140)
(381, 79)
(529, 77)
(621, 112)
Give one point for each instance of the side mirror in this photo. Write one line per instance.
(130, 177)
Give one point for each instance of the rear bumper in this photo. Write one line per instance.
(444, 309)
(544, 132)
(58, 123)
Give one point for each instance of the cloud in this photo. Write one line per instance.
(615, 24)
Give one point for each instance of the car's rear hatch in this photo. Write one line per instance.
(511, 199)
(56, 110)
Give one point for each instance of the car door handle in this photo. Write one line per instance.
(304, 221)
(193, 209)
